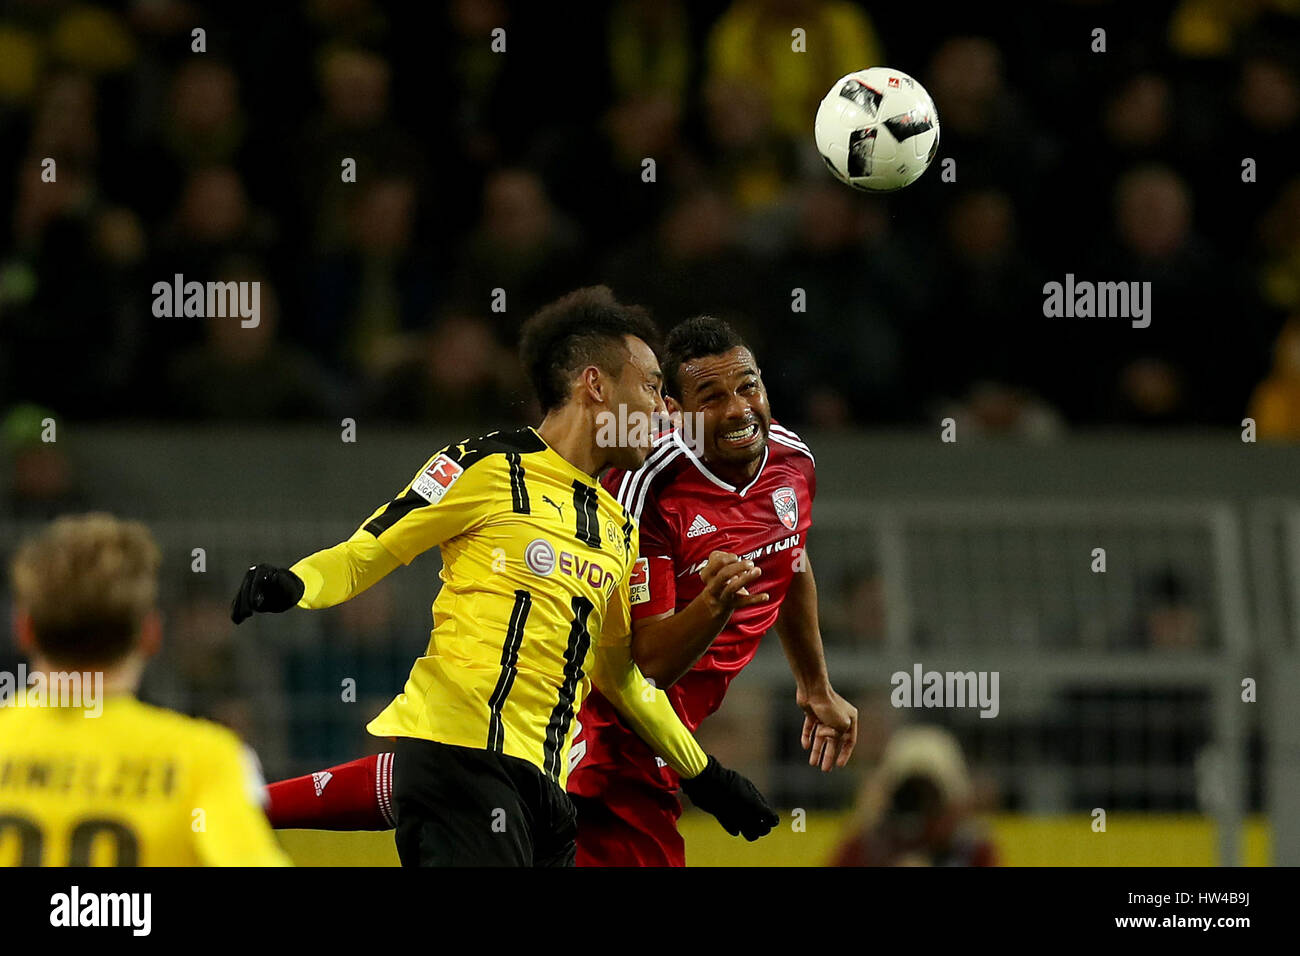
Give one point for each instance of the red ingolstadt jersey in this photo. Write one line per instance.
(686, 513)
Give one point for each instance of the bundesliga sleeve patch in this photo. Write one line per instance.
(639, 582)
(437, 479)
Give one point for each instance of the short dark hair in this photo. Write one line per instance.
(692, 339)
(585, 327)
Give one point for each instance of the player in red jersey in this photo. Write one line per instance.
(724, 528)
(722, 506)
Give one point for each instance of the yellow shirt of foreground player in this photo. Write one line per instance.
(136, 786)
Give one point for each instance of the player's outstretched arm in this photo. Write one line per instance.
(446, 497)
(342, 572)
(731, 798)
(320, 580)
(830, 726)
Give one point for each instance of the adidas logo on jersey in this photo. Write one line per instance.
(699, 526)
(320, 779)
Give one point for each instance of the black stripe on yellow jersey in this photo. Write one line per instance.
(509, 667)
(575, 654)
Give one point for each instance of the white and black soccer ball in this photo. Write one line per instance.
(877, 129)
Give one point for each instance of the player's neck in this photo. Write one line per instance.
(732, 473)
(111, 681)
(123, 678)
(571, 433)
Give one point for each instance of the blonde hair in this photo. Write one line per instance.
(87, 582)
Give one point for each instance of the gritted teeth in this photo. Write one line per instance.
(741, 434)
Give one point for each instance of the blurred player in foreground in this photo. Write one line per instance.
(89, 775)
(537, 558)
(712, 524)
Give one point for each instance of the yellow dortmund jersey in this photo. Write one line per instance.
(536, 558)
(135, 786)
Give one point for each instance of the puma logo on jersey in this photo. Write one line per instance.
(558, 508)
(320, 780)
(700, 526)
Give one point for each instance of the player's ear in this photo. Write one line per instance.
(674, 411)
(595, 384)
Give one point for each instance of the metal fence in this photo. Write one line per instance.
(1118, 688)
(1120, 683)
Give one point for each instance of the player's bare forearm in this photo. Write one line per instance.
(800, 632)
(667, 646)
(830, 727)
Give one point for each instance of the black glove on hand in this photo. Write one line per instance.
(733, 799)
(266, 589)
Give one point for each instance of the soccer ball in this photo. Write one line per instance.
(877, 129)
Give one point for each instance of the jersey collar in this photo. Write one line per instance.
(564, 463)
(677, 437)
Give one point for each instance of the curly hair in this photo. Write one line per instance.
(585, 327)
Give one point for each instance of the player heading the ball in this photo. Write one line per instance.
(537, 557)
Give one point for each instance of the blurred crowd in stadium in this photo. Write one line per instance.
(523, 171)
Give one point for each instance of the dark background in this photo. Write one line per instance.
(520, 171)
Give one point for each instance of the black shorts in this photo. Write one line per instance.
(458, 806)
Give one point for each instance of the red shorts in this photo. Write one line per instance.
(629, 825)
